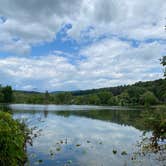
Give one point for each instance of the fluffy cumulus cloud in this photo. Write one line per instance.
(37, 21)
(107, 63)
(133, 42)
(31, 73)
(113, 62)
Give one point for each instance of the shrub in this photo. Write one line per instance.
(12, 141)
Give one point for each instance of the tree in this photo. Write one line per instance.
(46, 96)
(164, 97)
(1, 95)
(148, 98)
(104, 96)
(163, 62)
(63, 98)
(123, 99)
(7, 94)
(94, 99)
(134, 93)
(113, 101)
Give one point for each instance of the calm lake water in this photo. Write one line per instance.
(84, 135)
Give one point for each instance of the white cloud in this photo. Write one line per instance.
(133, 19)
(38, 21)
(114, 62)
(36, 72)
(17, 47)
(109, 62)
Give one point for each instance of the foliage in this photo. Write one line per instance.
(121, 95)
(134, 93)
(113, 101)
(12, 141)
(94, 99)
(123, 99)
(163, 62)
(63, 98)
(155, 120)
(104, 96)
(157, 123)
(46, 97)
(148, 98)
(6, 94)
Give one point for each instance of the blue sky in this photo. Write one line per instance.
(69, 45)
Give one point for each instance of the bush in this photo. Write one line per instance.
(12, 141)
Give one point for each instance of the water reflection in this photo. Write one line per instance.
(87, 137)
(53, 107)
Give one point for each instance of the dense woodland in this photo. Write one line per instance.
(141, 93)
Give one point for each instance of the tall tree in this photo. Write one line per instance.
(7, 94)
(46, 96)
(164, 59)
(163, 62)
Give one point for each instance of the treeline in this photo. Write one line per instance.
(141, 93)
(134, 94)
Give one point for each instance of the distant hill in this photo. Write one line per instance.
(140, 93)
(157, 86)
(27, 92)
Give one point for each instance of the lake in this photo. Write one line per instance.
(75, 135)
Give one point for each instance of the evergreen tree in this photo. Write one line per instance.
(7, 94)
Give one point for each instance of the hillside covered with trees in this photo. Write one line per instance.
(140, 93)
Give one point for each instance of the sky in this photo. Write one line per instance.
(63, 45)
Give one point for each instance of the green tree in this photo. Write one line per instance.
(134, 93)
(123, 99)
(164, 97)
(113, 101)
(1, 97)
(79, 100)
(46, 97)
(63, 98)
(94, 99)
(7, 94)
(1, 94)
(163, 62)
(104, 96)
(148, 98)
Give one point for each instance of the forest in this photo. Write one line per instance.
(140, 93)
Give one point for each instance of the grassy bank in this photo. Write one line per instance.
(13, 136)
